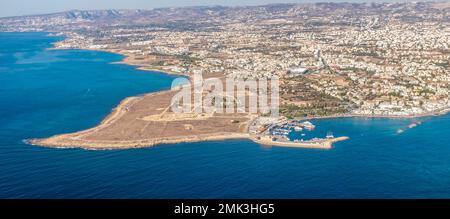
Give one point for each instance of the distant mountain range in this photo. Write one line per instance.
(200, 14)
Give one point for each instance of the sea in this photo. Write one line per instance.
(44, 92)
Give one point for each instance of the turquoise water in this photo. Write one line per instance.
(46, 92)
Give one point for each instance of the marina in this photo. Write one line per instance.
(279, 133)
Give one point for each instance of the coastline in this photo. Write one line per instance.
(440, 112)
(125, 61)
(118, 145)
(74, 140)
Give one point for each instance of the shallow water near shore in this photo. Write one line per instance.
(46, 92)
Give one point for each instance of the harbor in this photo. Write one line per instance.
(278, 132)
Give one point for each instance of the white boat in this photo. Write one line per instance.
(308, 125)
(330, 135)
(298, 129)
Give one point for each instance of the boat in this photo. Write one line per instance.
(330, 135)
(308, 125)
(298, 129)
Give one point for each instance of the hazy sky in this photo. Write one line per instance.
(27, 7)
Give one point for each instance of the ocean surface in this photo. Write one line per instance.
(45, 92)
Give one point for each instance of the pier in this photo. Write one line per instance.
(320, 144)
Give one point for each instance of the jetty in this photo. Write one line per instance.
(320, 143)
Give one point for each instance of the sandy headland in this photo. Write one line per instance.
(146, 121)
